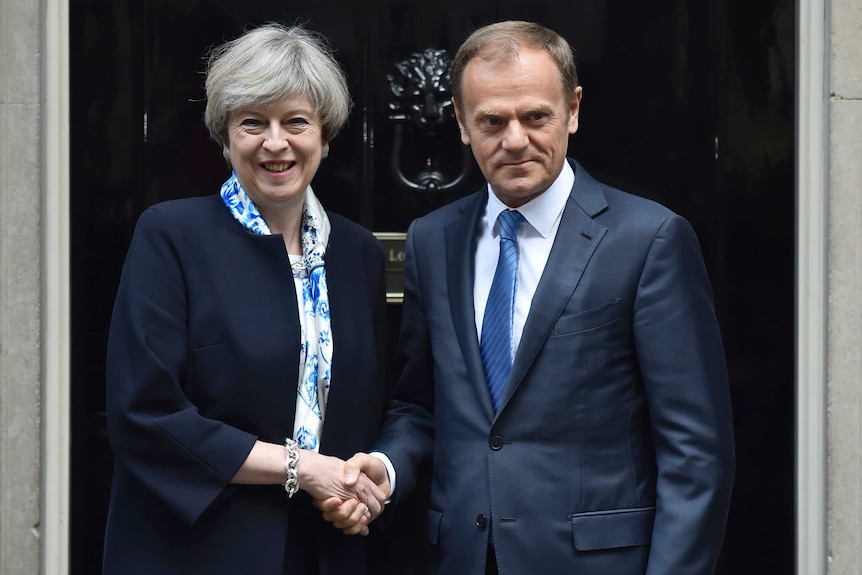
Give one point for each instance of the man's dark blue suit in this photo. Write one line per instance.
(612, 451)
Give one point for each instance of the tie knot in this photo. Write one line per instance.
(509, 221)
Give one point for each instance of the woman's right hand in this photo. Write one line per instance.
(348, 515)
(323, 477)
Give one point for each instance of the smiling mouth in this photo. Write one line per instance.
(278, 167)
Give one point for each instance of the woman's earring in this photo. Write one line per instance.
(325, 153)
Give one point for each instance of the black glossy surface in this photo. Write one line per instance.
(661, 82)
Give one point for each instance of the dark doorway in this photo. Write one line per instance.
(687, 102)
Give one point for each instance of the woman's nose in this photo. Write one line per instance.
(276, 138)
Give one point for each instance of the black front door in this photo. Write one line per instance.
(686, 102)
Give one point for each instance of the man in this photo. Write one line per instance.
(604, 444)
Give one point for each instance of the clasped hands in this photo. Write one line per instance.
(353, 501)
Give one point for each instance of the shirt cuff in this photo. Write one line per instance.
(390, 471)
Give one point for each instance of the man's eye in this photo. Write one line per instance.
(492, 121)
(537, 116)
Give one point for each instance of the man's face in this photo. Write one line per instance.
(517, 120)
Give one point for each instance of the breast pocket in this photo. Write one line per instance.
(588, 319)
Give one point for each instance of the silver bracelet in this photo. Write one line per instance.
(291, 486)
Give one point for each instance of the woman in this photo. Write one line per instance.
(222, 344)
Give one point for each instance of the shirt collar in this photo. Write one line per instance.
(543, 211)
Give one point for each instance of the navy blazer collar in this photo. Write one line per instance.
(577, 238)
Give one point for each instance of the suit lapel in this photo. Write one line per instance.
(460, 251)
(577, 238)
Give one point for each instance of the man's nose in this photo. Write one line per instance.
(515, 137)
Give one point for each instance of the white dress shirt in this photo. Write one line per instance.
(535, 239)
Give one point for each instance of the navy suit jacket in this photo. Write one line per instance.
(612, 452)
(203, 360)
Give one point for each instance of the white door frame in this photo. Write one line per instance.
(812, 192)
(56, 289)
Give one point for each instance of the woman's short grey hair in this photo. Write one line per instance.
(270, 63)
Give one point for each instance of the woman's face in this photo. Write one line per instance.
(276, 150)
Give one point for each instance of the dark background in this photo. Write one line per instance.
(688, 102)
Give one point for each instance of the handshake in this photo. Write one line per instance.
(350, 494)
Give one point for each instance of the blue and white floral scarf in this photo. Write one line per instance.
(315, 354)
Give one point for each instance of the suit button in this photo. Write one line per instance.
(481, 521)
(496, 443)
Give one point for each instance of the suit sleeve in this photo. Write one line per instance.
(685, 379)
(157, 434)
(407, 435)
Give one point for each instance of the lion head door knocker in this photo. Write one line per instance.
(426, 133)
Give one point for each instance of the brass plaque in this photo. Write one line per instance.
(394, 249)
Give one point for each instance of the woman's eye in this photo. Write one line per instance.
(250, 122)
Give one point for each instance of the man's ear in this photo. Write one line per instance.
(465, 134)
(575, 109)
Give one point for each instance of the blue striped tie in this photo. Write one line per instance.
(496, 342)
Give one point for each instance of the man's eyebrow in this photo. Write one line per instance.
(486, 112)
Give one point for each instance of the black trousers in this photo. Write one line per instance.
(491, 562)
